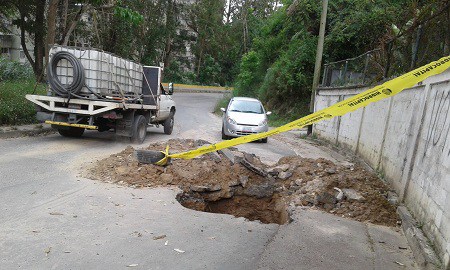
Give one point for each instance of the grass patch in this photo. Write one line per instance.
(14, 108)
(286, 115)
(222, 103)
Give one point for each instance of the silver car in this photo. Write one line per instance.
(244, 116)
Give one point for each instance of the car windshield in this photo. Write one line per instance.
(246, 106)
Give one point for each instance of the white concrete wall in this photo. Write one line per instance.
(407, 139)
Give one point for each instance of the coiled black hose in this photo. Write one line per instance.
(65, 90)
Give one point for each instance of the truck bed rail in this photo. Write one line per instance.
(86, 107)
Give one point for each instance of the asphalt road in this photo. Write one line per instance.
(51, 218)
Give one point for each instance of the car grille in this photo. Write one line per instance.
(242, 133)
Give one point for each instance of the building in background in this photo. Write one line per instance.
(10, 46)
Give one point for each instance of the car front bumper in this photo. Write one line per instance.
(232, 130)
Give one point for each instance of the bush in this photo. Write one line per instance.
(222, 103)
(249, 77)
(13, 70)
(14, 108)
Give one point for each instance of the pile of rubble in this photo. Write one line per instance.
(233, 182)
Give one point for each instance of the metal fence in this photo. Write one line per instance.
(361, 70)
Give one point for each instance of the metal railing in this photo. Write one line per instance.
(361, 70)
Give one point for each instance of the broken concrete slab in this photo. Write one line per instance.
(228, 154)
(248, 162)
(352, 195)
(278, 169)
(244, 180)
(326, 198)
(260, 191)
(284, 175)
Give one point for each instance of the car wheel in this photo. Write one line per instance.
(139, 129)
(224, 137)
(168, 124)
(72, 132)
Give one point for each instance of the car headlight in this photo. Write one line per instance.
(263, 123)
(231, 121)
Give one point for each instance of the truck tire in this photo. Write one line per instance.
(264, 140)
(139, 129)
(168, 124)
(72, 132)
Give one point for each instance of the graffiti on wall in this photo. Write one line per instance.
(438, 128)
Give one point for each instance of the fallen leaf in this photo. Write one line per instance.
(179, 250)
(159, 237)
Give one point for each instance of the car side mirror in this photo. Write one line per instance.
(170, 88)
(223, 109)
(268, 113)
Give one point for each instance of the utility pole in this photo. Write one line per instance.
(319, 53)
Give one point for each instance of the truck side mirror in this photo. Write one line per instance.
(170, 88)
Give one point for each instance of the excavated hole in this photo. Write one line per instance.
(267, 209)
(240, 184)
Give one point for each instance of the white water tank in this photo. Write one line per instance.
(106, 74)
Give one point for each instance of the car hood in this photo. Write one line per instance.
(247, 118)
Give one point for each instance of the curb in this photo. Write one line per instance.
(201, 91)
(26, 130)
(423, 252)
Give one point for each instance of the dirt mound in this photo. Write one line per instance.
(244, 186)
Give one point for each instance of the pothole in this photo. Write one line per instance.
(232, 182)
(266, 210)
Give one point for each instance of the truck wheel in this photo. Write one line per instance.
(264, 140)
(139, 129)
(168, 124)
(73, 132)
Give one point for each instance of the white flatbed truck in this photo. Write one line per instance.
(91, 89)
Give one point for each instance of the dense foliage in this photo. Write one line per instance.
(14, 71)
(279, 67)
(16, 80)
(265, 48)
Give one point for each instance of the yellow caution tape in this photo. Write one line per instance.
(166, 158)
(387, 89)
(70, 125)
